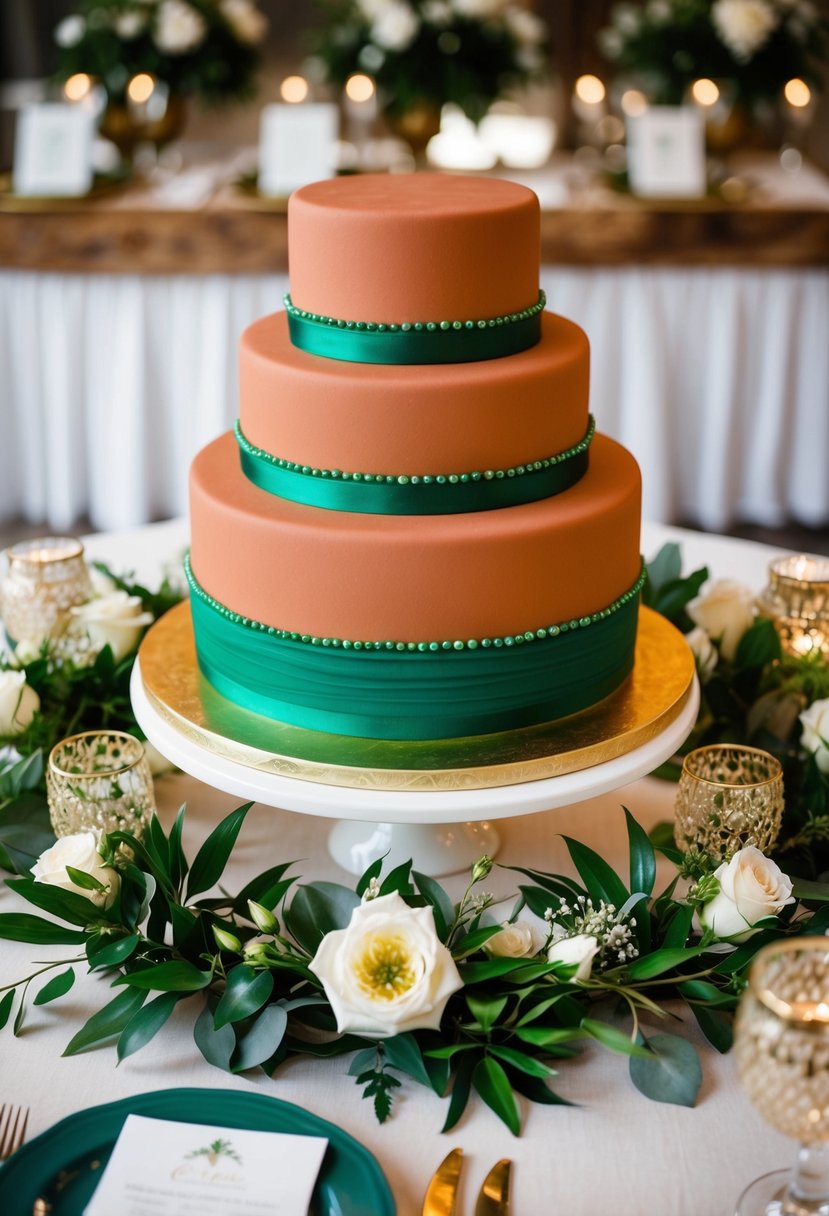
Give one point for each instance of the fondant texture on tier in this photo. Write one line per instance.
(424, 549)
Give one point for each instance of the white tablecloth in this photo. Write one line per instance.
(613, 1152)
(717, 380)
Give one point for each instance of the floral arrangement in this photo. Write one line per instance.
(756, 44)
(754, 693)
(74, 680)
(428, 52)
(459, 997)
(200, 47)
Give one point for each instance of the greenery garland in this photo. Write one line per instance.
(394, 973)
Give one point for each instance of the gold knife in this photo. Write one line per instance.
(442, 1190)
(494, 1197)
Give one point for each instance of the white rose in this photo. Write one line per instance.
(70, 31)
(247, 23)
(659, 11)
(725, 612)
(704, 650)
(581, 949)
(18, 702)
(80, 851)
(743, 25)
(130, 24)
(436, 12)
(114, 620)
(525, 27)
(751, 886)
(387, 972)
(815, 736)
(514, 941)
(395, 27)
(179, 28)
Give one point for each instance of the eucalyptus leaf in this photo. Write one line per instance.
(261, 1039)
(68, 905)
(317, 909)
(247, 990)
(113, 953)
(146, 1023)
(57, 987)
(669, 1072)
(171, 976)
(107, 1022)
(402, 1051)
(610, 1037)
(24, 927)
(211, 859)
(217, 1046)
(717, 1027)
(362, 1060)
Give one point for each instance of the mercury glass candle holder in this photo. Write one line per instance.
(100, 780)
(44, 579)
(782, 1050)
(728, 797)
(797, 601)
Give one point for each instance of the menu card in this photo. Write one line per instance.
(297, 145)
(162, 1168)
(53, 150)
(666, 152)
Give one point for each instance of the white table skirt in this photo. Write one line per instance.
(716, 379)
(614, 1152)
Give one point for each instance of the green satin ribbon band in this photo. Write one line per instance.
(413, 695)
(421, 342)
(375, 494)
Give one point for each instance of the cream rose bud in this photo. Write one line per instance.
(704, 651)
(514, 941)
(815, 735)
(80, 851)
(388, 972)
(751, 886)
(115, 620)
(725, 612)
(18, 703)
(581, 949)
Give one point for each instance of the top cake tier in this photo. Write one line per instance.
(413, 247)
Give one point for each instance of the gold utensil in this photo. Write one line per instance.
(442, 1190)
(13, 1120)
(494, 1197)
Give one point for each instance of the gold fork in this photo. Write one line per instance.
(13, 1120)
(442, 1192)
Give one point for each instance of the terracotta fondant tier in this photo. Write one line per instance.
(414, 578)
(413, 247)
(442, 418)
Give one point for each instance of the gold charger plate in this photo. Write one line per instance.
(102, 186)
(650, 699)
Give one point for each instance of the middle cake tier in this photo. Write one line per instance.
(336, 574)
(402, 421)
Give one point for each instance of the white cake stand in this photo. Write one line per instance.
(443, 830)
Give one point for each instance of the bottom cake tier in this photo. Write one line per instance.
(415, 627)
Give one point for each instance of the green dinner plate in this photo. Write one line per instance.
(64, 1163)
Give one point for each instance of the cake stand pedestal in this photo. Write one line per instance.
(431, 802)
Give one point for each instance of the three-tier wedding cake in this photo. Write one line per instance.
(414, 532)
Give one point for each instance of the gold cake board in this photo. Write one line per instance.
(179, 700)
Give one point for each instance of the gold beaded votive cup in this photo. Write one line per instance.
(44, 579)
(99, 779)
(728, 797)
(782, 1037)
(797, 601)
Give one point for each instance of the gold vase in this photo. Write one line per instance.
(728, 797)
(128, 126)
(417, 125)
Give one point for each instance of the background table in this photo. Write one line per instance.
(120, 320)
(615, 1151)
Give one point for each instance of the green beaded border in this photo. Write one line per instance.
(517, 639)
(425, 479)
(415, 327)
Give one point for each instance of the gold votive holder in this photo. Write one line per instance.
(99, 780)
(781, 1045)
(728, 797)
(797, 601)
(44, 579)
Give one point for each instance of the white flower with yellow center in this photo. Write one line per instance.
(387, 972)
